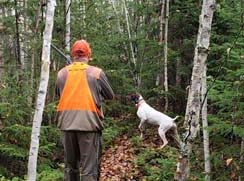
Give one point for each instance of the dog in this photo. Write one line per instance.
(147, 114)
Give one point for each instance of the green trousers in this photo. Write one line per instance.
(82, 154)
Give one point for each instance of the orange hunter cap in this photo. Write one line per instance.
(81, 48)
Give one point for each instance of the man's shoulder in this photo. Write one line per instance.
(94, 71)
(62, 71)
(95, 68)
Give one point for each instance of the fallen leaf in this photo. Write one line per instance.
(232, 175)
(228, 161)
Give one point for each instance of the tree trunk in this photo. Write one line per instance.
(129, 33)
(178, 76)
(193, 102)
(166, 56)
(129, 51)
(241, 155)
(1, 45)
(47, 37)
(1, 58)
(205, 126)
(17, 46)
(162, 21)
(33, 54)
(137, 76)
(22, 30)
(67, 27)
(83, 9)
(117, 16)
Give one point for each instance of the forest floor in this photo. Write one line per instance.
(119, 160)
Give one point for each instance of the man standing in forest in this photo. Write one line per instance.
(79, 113)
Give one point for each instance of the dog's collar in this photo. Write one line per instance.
(140, 102)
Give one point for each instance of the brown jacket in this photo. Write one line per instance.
(81, 88)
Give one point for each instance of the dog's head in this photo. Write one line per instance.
(136, 98)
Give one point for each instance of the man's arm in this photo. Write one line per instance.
(106, 90)
(60, 82)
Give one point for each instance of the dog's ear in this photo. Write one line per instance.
(133, 97)
(137, 93)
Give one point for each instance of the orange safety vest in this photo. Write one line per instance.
(76, 94)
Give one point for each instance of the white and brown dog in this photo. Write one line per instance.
(147, 114)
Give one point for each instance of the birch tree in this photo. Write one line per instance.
(133, 59)
(1, 44)
(129, 32)
(116, 14)
(194, 96)
(166, 55)
(161, 37)
(164, 20)
(1, 56)
(17, 36)
(207, 167)
(83, 10)
(67, 27)
(47, 37)
(19, 32)
(34, 49)
(22, 30)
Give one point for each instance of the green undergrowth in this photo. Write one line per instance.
(14, 150)
(114, 128)
(155, 163)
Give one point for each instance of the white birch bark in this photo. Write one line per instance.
(162, 21)
(67, 27)
(33, 54)
(1, 44)
(116, 14)
(129, 33)
(47, 37)
(17, 37)
(83, 10)
(194, 103)
(207, 166)
(166, 55)
(201, 53)
(22, 30)
(137, 77)
(2, 14)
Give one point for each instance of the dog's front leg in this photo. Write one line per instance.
(141, 127)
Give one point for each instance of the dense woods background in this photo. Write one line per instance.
(127, 42)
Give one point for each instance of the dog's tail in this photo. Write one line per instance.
(175, 118)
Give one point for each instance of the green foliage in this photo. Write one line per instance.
(98, 23)
(14, 148)
(13, 151)
(3, 171)
(50, 174)
(18, 135)
(116, 127)
(14, 108)
(225, 133)
(2, 178)
(157, 164)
